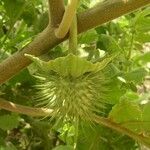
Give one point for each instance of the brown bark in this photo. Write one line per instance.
(46, 40)
(35, 112)
(56, 11)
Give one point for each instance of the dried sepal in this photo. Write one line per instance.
(70, 65)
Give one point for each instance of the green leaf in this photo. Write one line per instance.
(8, 122)
(146, 117)
(142, 20)
(1, 30)
(130, 96)
(135, 76)
(10, 146)
(40, 22)
(97, 137)
(67, 132)
(125, 112)
(88, 37)
(64, 147)
(132, 86)
(110, 43)
(2, 141)
(143, 59)
(115, 92)
(13, 7)
(101, 29)
(142, 38)
(29, 14)
(22, 77)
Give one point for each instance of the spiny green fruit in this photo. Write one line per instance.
(72, 86)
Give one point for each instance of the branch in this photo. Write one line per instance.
(67, 19)
(138, 137)
(41, 112)
(91, 18)
(56, 11)
(35, 112)
(107, 11)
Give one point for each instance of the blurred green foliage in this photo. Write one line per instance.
(20, 21)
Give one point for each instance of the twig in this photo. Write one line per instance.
(106, 122)
(35, 112)
(67, 19)
(73, 43)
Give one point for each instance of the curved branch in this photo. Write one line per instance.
(35, 112)
(106, 122)
(56, 11)
(41, 112)
(46, 40)
(67, 19)
(107, 11)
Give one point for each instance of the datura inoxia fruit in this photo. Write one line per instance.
(71, 86)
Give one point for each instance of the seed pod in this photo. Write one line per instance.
(72, 86)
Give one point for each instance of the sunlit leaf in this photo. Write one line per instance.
(125, 111)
